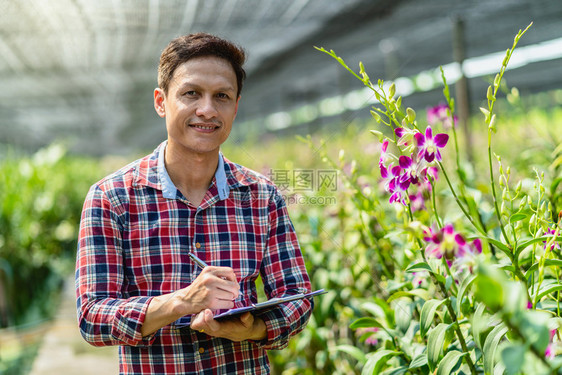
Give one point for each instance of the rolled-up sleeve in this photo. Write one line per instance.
(283, 273)
(105, 315)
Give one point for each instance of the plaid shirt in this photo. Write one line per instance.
(135, 235)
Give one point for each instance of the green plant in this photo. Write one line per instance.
(473, 280)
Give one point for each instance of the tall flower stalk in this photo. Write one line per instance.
(454, 261)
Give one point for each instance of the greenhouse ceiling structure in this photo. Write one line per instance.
(83, 72)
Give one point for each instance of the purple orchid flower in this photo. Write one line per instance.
(550, 351)
(447, 243)
(371, 339)
(550, 233)
(429, 146)
(398, 185)
(439, 114)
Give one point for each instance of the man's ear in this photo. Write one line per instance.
(236, 109)
(159, 99)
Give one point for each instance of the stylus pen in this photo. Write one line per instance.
(198, 261)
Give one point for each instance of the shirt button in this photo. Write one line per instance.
(201, 350)
(198, 245)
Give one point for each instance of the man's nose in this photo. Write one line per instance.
(206, 107)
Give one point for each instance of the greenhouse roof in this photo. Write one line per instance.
(83, 71)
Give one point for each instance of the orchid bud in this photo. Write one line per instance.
(508, 171)
(505, 195)
(497, 80)
(404, 122)
(361, 68)
(376, 116)
(542, 209)
(522, 204)
(506, 58)
(379, 135)
(490, 93)
(492, 125)
(502, 184)
(399, 102)
(529, 200)
(518, 187)
(533, 220)
(353, 167)
(503, 210)
(392, 90)
(411, 114)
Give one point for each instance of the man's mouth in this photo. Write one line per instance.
(204, 127)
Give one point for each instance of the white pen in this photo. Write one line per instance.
(198, 261)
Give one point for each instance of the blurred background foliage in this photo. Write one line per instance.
(40, 204)
(348, 250)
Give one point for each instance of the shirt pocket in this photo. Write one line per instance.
(156, 260)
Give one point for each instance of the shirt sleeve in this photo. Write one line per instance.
(105, 315)
(283, 273)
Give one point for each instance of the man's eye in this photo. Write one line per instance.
(222, 95)
(190, 93)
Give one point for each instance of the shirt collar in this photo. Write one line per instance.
(169, 190)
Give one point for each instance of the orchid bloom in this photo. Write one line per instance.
(439, 114)
(550, 351)
(550, 233)
(451, 245)
(398, 185)
(429, 145)
(417, 201)
(371, 339)
(406, 138)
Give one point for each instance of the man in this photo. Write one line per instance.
(136, 284)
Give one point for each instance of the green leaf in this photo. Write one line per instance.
(419, 361)
(435, 342)
(523, 245)
(376, 361)
(549, 288)
(517, 217)
(422, 266)
(466, 283)
(547, 263)
(500, 245)
(366, 322)
(402, 314)
(428, 313)
(499, 369)
(449, 362)
(479, 324)
(397, 371)
(421, 293)
(490, 346)
(354, 351)
(489, 288)
(513, 357)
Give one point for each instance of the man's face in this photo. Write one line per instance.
(200, 105)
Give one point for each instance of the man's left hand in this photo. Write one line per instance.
(247, 327)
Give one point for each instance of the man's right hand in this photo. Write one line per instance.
(215, 288)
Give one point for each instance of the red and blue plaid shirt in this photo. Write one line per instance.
(135, 235)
